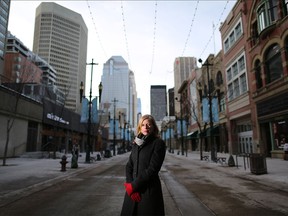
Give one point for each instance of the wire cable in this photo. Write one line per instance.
(214, 28)
(99, 40)
(125, 34)
(192, 22)
(154, 37)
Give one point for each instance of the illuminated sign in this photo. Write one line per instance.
(56, 118)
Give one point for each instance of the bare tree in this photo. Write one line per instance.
(20, 78)
(197, 118)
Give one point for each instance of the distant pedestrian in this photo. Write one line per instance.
(285, 148)
(143, 187)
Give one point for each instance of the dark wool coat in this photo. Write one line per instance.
(142, 171)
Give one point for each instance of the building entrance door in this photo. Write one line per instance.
(245, 142)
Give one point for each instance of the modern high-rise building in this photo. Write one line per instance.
(158, 97)
(119, 90)
(60, 38)
(4, 17)
(182, 68)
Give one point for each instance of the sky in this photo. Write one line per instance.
(149, 35)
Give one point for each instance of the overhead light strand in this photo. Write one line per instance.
(214, 28)
(154, 37)
(125, 34)
(192, 22)
(97, 33)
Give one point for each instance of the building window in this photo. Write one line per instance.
(219, 79)
(266, 14)
(236, 88)
(241, 63)
(258, 77)
(243, 83)
(237, 80)
(273, 64)
(285, 7)
(235, 69)
(222, 103)
(233, 36)
(229, 74)
(230, 92)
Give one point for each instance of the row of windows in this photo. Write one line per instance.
(68, 34)
(64, 54)
(237, 68)
(46, 32)
(65, 21)
(2, 28)
(4, 12)
(3, 20)
(67, 27)
(236, 77)
(55, 59)
(66, 24)
(234, 35)
(5, 4)
(67, 40)
(47, 26)
(69, 46)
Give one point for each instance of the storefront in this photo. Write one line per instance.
(61, 128)
(273, 121)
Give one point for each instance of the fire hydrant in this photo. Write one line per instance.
(63, 163)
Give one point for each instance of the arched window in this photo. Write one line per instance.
(219, 79)
(273, 63)
(258, 78)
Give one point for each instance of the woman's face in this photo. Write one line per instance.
(146, 127)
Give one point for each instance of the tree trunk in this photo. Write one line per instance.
(7, 141)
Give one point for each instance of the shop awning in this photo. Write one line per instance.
(192, 135)
(215, 131)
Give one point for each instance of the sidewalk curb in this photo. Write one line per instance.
(20, 193)
(240, 173)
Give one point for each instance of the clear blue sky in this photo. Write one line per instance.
(149, 35)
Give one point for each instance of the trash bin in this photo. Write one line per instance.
(258, 164)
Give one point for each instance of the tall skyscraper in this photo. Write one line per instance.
(60, 38)
(119, 83)
(183, 66)
(4, 17)
(158, 97)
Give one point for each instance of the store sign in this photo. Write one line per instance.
(56, 118)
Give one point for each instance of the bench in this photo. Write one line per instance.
(221, 160)
(205, 157)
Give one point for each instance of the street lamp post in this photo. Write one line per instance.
(88, 146)
(181, 124)
(100, 87)
(114, 127)
(213, 147)
(169, 126)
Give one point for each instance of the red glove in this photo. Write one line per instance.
(129, 188)
(136, 197)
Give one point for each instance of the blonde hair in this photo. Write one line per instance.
(152, 121)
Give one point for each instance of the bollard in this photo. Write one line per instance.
(63, 163)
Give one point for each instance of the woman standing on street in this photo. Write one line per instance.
(143, 187)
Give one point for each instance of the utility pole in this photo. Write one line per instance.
(114, 127)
